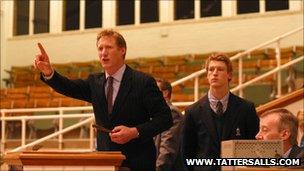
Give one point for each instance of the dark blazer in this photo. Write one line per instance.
(297, 152)
(200, 138)
(168, 144)
(139, 103)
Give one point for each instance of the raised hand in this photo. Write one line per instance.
(42, 62)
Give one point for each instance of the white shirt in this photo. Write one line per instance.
(213, 101)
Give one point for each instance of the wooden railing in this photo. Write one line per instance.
(281, 102)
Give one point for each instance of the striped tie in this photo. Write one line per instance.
(110, 94)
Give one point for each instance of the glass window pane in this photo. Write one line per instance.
(184, 9)
(125, 12)
(247, 6)
(211, 8)
(71, 15)
(93, 13)
(41, 16)
(21, 17)
(273, 5)
(149, 11)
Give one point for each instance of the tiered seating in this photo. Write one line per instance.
(171, 68)
(32, 97)
(26, 90)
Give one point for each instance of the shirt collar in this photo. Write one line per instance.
(285, 155)
(224, 100)
(118, 74)
(213, 101)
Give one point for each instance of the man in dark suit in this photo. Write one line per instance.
(168, 142)
(219, 115)
(281, 124)
(125, 101)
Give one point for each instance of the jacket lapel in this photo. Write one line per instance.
(207, 118)
(231, 116)
(101, 94)
(125, 87)
(295, 150)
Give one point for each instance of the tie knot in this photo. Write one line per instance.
(219, 108)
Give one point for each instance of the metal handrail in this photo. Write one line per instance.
(239, 56)
(256, 79)
(60, 116)
(89, 120)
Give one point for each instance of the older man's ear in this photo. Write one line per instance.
(285, 134)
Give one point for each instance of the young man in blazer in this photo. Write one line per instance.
(125, 101)
(218, 116)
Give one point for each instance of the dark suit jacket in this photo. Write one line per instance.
(200, 138)
(168, 143)
(297, 152)
(139, 103)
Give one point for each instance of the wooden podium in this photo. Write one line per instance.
(59, 160)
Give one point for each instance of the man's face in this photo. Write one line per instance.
(217, 74)
(111, 56)
(269, 128)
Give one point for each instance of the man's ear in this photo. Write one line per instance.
(123, 50)
(230, 76)
(285, 134)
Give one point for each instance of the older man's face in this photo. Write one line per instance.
(269, 128)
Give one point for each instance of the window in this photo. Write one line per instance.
(93, 13)
(41, 16)
(71, 15)
(125, 12)
(184, 9)
(247, 6)
(149, 11)
(21, 17)
(211, 8)
(273, 5)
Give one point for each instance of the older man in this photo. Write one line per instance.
(281, 124)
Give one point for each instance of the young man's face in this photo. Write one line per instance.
(218, 75)
(111, 56)
(269, 128)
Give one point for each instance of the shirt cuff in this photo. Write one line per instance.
(48, 77)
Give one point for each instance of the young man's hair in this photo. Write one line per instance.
(164, 86)
(286, 121)
(219, 57)
(120, 41)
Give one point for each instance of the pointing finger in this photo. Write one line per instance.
(42, 49)
(44, 56)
